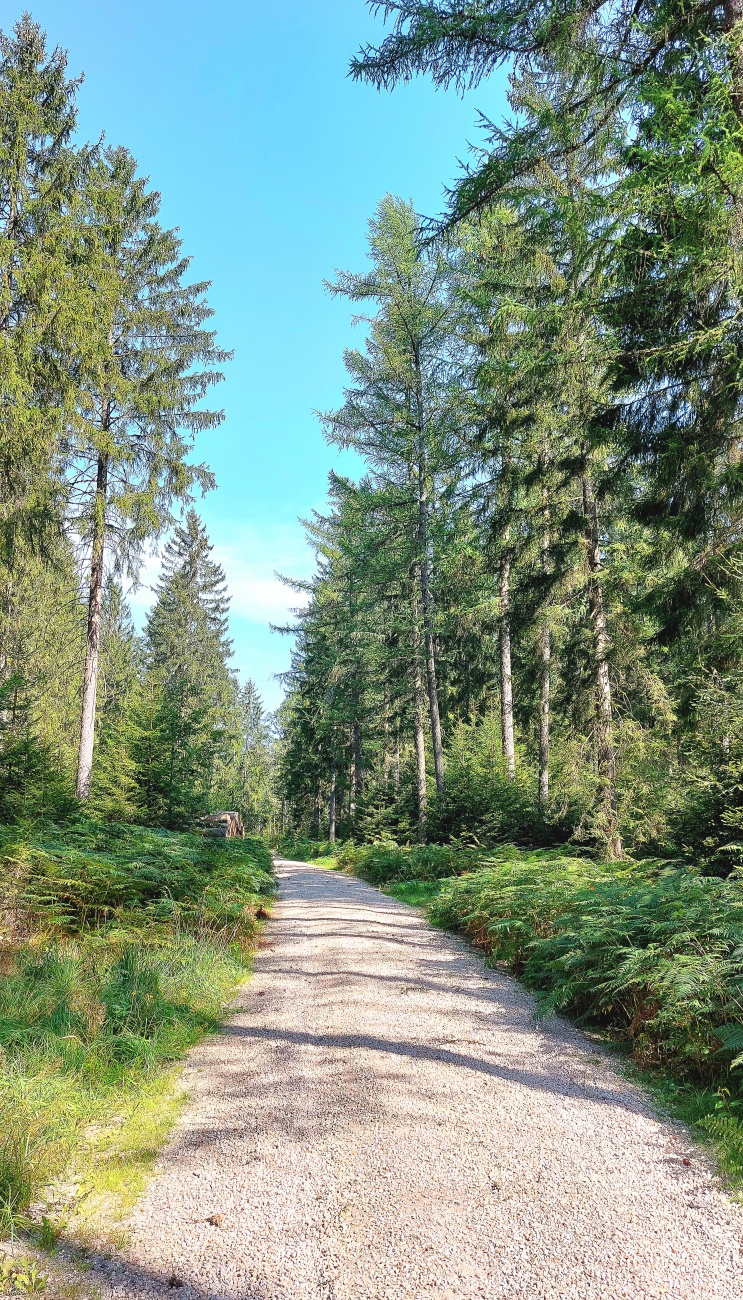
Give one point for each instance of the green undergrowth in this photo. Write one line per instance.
(648, 954)
(385, 863)
(121, 947)
(297, 849)
(416, 893)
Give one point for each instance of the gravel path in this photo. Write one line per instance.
(382, 1119)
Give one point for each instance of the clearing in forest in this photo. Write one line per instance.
(383, 1118)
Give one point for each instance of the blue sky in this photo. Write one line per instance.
(271, 161)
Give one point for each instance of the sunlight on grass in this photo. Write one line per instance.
(133, 944)
(416, 893)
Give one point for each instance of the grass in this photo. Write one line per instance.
(118, 1160)
(416, 893)
(121, 947)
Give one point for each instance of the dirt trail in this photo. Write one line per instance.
(382, 1118)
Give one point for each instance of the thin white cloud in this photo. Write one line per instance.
(251, 559)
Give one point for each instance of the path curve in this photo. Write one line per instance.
(383, 1119)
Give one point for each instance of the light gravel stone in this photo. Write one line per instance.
(383, 1119)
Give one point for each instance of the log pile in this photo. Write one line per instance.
(224, 825)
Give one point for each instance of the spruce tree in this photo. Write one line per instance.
(113, 791)
(187, 718)
(46, 308)
(133, 429)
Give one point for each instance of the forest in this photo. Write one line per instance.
(526, 617)
(516, 682)
(106, 362)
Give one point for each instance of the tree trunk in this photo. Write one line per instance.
(331, 810)
(418, 713)
(359, 775)
(351, 789)
(92, 647)
(732, 14)
(545, 655)
(5, 623)
(421, 472)
(506, 683)
(605, 756)
(437, 739)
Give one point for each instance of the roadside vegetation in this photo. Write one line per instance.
(121, 947)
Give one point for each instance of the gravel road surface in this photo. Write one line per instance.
(382, 1119)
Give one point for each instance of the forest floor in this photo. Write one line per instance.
(383, 1117)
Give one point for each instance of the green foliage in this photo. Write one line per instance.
(302, 850)
(416, 893)
(46, 307)
(188, 696)
(21, 1274)
(91, 873)
(140, 937)
(150, 366)
(650, 950)
(382, 864)
(114, 792)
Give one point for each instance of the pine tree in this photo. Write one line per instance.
(403, 415)
(187, 717)
(113, 792)
(45, 307)
(247, 782)
(141, 407)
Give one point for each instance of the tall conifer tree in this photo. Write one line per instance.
(140, 410)
(188, 692)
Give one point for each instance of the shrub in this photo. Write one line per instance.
(383, 863)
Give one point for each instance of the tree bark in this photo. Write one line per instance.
(421, 471)
(92, 646)
(418, 713)
(545, 655)
(506, 682)
(732, 14)
(356, 738)
(331, 810)
(605, 755)
(437, 739)
(351, 786)
(318, 810)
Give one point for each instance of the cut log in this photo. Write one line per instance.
(224, 825)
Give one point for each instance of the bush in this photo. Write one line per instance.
(382, 864)
(303, 850)
(655, 952)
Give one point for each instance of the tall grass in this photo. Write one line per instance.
(122, 946)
